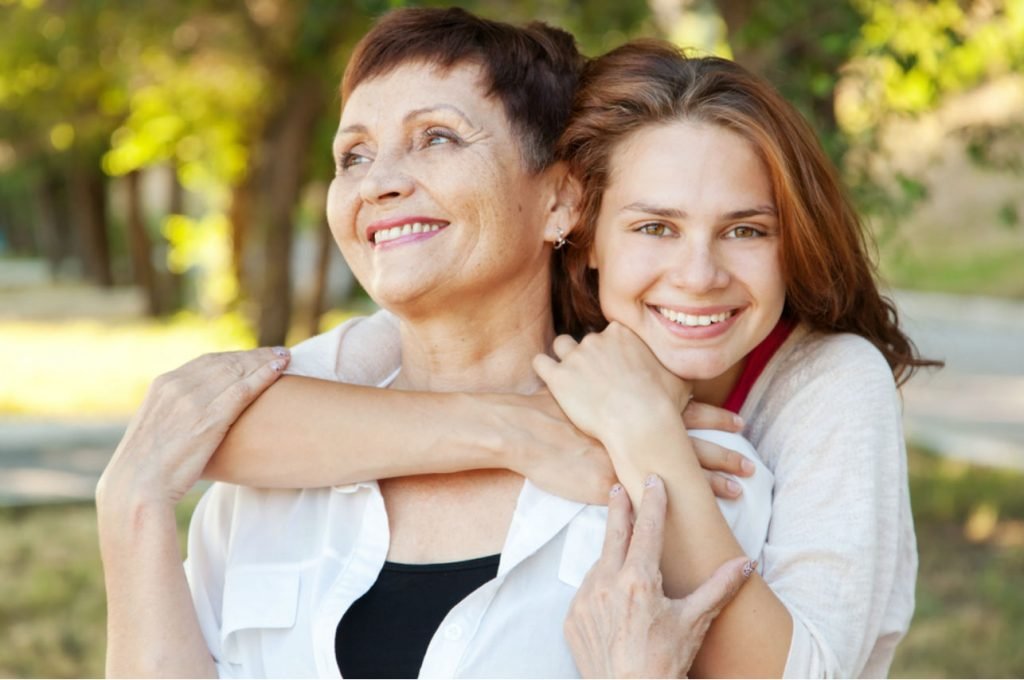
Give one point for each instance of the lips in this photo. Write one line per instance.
(696, 323)
(694, 320)
(403, 229)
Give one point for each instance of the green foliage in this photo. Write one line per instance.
(801, 46)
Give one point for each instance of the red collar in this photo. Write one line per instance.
(756, 361)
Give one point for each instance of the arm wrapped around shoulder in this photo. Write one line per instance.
(841, 553)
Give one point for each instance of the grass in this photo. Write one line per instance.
(984, 272)
(970, 594)
(89, 368)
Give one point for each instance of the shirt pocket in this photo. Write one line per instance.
(256, 599)
(584, 538)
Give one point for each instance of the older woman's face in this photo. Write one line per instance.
(431, 203)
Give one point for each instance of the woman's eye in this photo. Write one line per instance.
(744, 231)
(439, 136)
(655, 229)
(349, 159)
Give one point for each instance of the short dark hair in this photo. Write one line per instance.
(533, 69)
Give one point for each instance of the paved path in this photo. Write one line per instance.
(974, 408)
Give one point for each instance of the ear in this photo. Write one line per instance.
(563, 205)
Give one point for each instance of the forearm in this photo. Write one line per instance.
(304, 432)
(697, 541)
(152, 629)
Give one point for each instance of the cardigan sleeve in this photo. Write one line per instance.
(840, 553)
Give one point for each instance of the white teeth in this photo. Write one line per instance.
(691, 319)
(391, 234)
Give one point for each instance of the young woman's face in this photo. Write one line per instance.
(687, 247)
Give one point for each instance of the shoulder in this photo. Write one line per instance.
(829, 367)
(833, 387)
(363, 350)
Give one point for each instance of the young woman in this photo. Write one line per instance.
(715, 237)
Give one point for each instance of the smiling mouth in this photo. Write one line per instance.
(385, 235)
(694, 320)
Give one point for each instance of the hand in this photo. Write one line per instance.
(544, 446)
(610, 379)
(602, 379)
(620, 623)
(184, 417)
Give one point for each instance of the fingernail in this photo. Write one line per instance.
(747, 466)
(733, 487)
(281, 351)
(616, 490)
(749, 568)
(277, 366)
(737, 421)
(650, 481)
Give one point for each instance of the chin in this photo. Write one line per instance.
(692, 364)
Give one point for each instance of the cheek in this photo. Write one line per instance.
(622, 281)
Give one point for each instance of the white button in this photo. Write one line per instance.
(453, 632)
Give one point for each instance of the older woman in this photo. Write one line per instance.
(445, 205)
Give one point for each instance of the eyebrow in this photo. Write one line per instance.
(415, 113)
(676, 214)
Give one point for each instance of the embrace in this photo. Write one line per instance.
(630, 407)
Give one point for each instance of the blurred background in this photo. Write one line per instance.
(163, 170)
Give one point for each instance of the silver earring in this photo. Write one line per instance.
(561, 239)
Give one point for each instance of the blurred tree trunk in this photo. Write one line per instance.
(281, 169)
(54, 235)
(48, 200)
(89, 196)
(19, 221)
(239, 215)
(140, 246)
(173, 287)
(325, 243)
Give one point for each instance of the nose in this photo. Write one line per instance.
(385, 180)
(698, 268)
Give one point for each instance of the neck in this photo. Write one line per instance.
(715, 391)
(486, 345)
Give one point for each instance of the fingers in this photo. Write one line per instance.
(708, 600)
(722, 486)
(649, 527)
(619, 528)
(699, 416)
(259, 368)
(544, 366)
(715, 458)
(563, 346)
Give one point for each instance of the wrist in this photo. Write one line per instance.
(487, 444)
(635, 431)
(125, 505)
(124, 522)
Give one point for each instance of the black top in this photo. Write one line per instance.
(386, 632)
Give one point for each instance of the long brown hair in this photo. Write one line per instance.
(829, 279)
